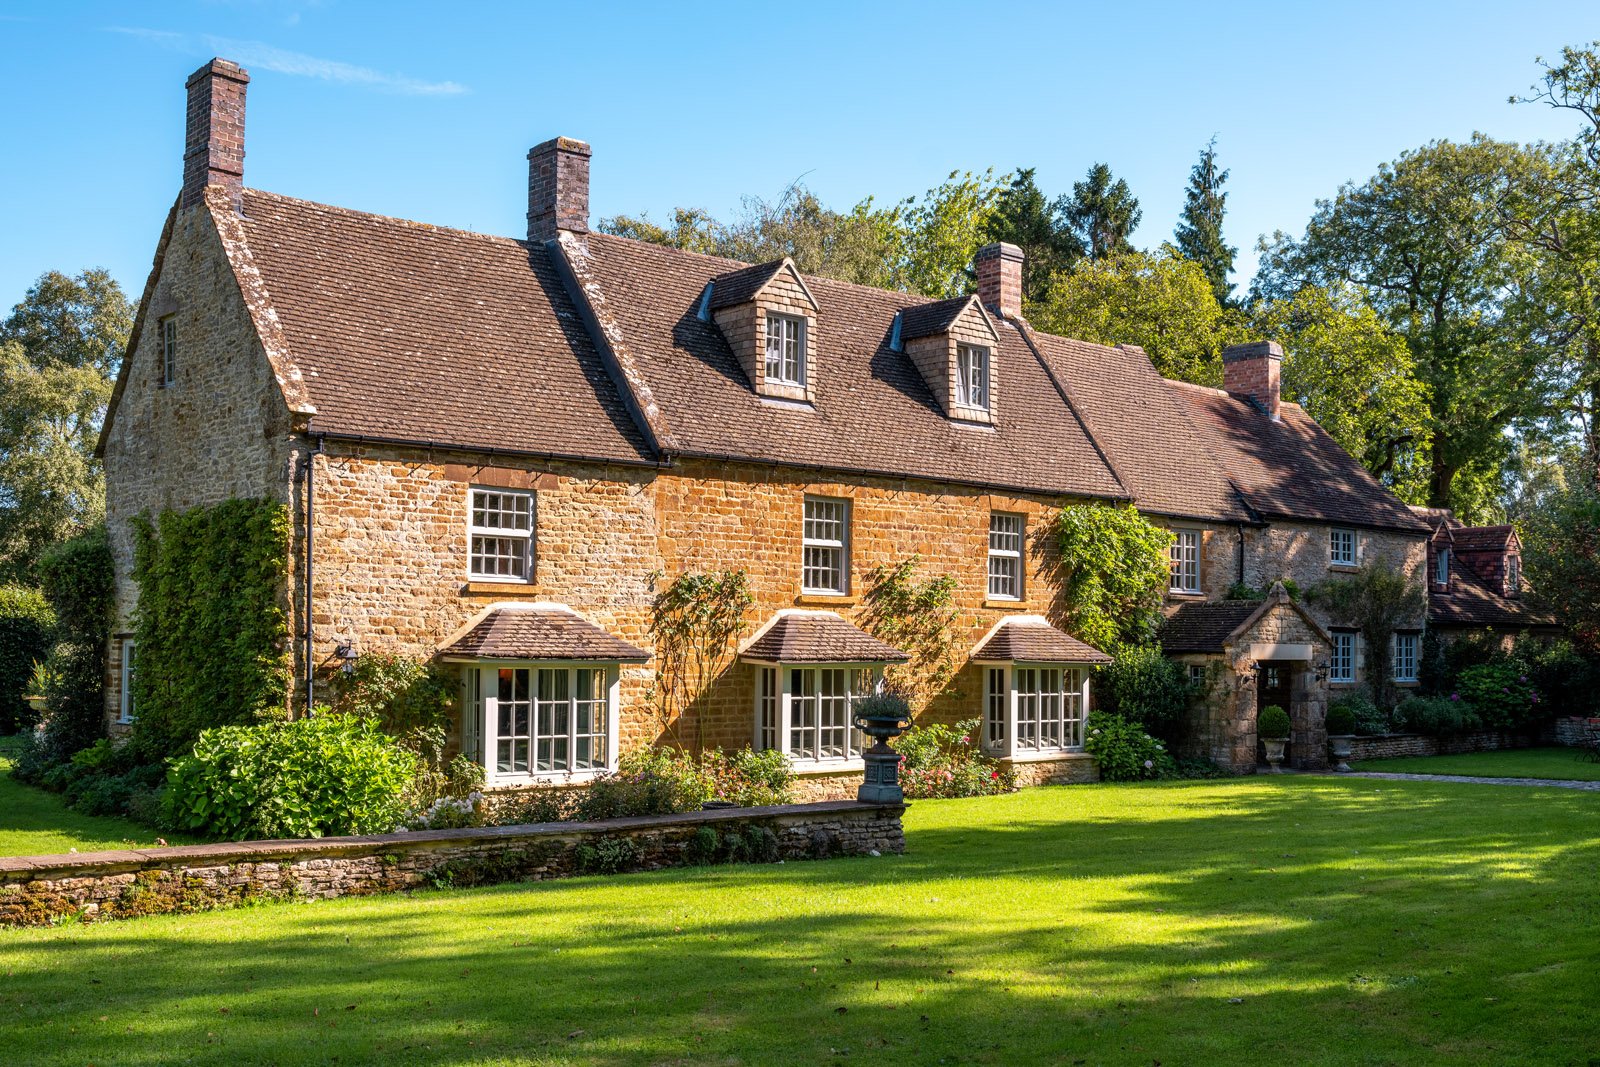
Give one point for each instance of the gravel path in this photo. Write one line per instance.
(1555, 783)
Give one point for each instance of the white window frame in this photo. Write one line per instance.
(167, 338)
(1004, 526)
(1404, 668)
(1336, 535)
(1513, 575)
(125, 709)
(810, 544)
(519, 537)
(780, 703)
(1187, 544)
(1441, 567)
(788, 334)
(481, 731)
(1342, 661)
(972, 376)
(1007, 707)
(1197, 674)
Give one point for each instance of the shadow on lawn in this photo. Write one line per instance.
(1323, 920)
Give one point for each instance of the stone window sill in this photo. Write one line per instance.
(831, 600)
(1002, 604)
(1061, 755)
(1344, 568)
(1176, 594)
(810, 768)
(497, 589)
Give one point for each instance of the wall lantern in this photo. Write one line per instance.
(345, 652)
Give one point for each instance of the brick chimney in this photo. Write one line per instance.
(999, 269)
(213, 143)
(558, 188)
(1251, 370)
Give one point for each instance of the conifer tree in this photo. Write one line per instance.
(1199, 233)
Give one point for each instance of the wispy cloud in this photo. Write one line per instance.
(262, 56)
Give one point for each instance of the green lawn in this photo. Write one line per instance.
(34, 822)
(1513, 763)
(1288, 920)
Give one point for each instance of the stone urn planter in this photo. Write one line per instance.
(1273, 727)
(1340, 746)
(36, 702)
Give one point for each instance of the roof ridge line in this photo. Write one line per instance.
(381, 217)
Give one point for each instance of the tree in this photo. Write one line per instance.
(58, 352)
(1024, 217)
(692, 229)
(1102, 212)
(1356, 377)
(942, 232)
(1426, 243)
(1561, 557)
(1161, 302)
(1199, 233)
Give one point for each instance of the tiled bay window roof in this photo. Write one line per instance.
(539, 632)
(817, 637)
(1031, 639)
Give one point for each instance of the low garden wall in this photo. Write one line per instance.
(1573, 730)
(1390, 746)
(36, 890)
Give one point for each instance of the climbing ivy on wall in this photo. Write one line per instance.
(1116, 566)
(212, 628)
(917, 617)
(693, 622)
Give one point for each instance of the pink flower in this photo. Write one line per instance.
(994, 774)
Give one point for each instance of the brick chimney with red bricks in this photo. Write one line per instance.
(999, 270)
(558, 188)
(1250, 371)
(213, 143)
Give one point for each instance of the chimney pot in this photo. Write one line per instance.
(213, 144)
(999, 270)
(558, 188)
(1251, 371)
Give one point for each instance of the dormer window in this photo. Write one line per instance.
(972, 376)
(1513, 575)
(1441, 567)
(786, 350)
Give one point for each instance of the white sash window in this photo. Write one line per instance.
(1034, 708)
(527, 722)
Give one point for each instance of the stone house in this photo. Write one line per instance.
(496, 450)
(1475, 581)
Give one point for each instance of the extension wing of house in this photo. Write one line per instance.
(1475, 581)
(497, 451)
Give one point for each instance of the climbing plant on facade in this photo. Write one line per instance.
(693, 622)
(212, 628)
(918, 617)
(1115, 568)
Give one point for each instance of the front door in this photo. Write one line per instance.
(1272, 687)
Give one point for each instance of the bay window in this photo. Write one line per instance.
(527, 721)
(1034, 708)
(807, 712)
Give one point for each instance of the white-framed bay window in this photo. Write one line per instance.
(1185, 561)
(1034, 708)
(807, 711)
(500, 534)
(532, 721)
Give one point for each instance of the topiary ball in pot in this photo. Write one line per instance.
(1273, 723)
(1341, 720)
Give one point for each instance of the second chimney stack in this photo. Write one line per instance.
(213, 143)
(999, 270)
(1251, 371)
(558, 188)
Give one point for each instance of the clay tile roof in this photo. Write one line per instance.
(741, 286)
(1291, 467)
(1203, 626)
(1482, 538)
(818, 637)
(1472, 602)
(535, 633)
(925, 320)
(873, 413)
(404, 330)
(1031, 639)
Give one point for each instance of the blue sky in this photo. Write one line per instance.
(427, 111)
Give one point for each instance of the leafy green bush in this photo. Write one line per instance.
(1124, 752)
(1436, 716)
(1368, 719)
(325, 775)
(1145, 687)
(648, 781)
(1116, 568)
(1568, 682)
(1502, 695)
(609, 855)
(1340, 720)
(945, 761)
(27, 628)
(411, 700)
(76, 576)
(1273, 723)
(748, 778)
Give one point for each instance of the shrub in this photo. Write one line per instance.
(27, 626)
(1366, 717)
(536, 806)
(329, 774)
(1340, 720)
(448, 813)
(410, 699)
(1124, 752)
(1436, 716)
(1145, 687)
(945, 761)
(1116, 567)
(748, 778)
(648, 781)
(609, 855)
(1502, 694)
(1273, 723)
(1568, 683)
(76, 576)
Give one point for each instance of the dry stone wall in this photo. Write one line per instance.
(113, 885)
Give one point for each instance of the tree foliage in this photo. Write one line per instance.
(77, 579)
(1199, 234)
(1161, 302)
(27, 627)
(1561, 557)
(59, 349)
(1115, 568)
(1102, 212)
(212, 627)
(1355, 376)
